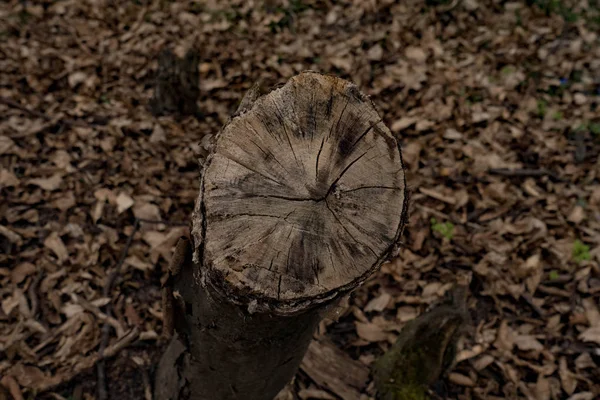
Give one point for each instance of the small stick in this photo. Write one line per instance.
(100, 367)
(524, 172)
(32, 292)
(14, 104)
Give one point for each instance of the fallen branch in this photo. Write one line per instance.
(424, 351)
(524, 172)
(108, 287)
(100, 367)
(85, 364)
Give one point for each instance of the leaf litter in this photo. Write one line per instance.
(496, 107)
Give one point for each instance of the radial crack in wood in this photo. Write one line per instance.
(302, 198)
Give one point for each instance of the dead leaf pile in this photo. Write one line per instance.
(497, 108)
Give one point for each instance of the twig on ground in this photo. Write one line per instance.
(100, 367)
(108, 287)
(525, 173)
(529, 300)
(88, 362)
(32, 292)
(13, 104)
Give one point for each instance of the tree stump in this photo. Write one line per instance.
(301, 199)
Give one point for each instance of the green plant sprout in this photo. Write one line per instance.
(446, 229)
(541, 107)
(581, 251)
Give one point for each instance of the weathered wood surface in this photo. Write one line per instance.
(303, 196)
(301, 199)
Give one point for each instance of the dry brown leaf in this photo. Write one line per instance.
(124, 202)
(452, 134)
(98, 210)
(12, 237)
(55, 243)
(567, 378)
(27, 375)
(11, 384)
(505, 338)
(591, 311)
(370, 332)
(460, 379)
(379, 303)
(49, 184)
(431, 289)
(406, 313)
(467, 354)
(375, 53)
(582, 396)
(7, 179)
(158, 134)
(9, 304)
(403, 123)
(147, 211)
(6, 144)
(584, 361)
(22, 271)
(542, 388)
(576, 215)
(527, 342)
(314, 393)
(137, 263)
(416, 54)
(482, 362)
(591, 334)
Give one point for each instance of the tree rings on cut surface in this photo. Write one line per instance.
(302, 197)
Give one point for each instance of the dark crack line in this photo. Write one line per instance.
(298, 124)
(337, 124)
(273, 259)
(361, 230)
(259, 117)
(279, 287)
(274, 196)
(266, 235)
(255, 171)
(340, 222)
(315, 269)
(331, 259)
(287, 263)
(319, 155)
(282, 120)
(248, 215)
(269, 153)
(314, 116)
(371, 187)
(363, 135)
(257, 145)
(332, 187)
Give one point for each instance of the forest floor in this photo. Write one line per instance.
(497, 107)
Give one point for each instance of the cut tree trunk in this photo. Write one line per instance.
(302, 198)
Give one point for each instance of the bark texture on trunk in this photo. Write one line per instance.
(301, 199)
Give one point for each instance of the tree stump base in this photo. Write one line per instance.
(301, 199)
